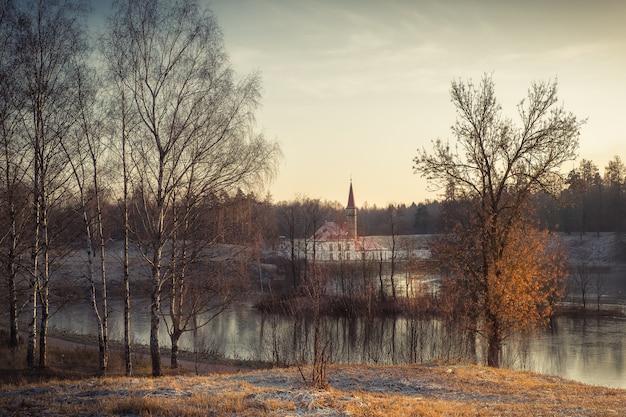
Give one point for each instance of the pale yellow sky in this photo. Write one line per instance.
(353, 88)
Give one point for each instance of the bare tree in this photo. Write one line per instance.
(85, 155)
(13, 168)
(196, 122)
(392, 220)
(49, 44)
(495, 167)
(203, 278)
(290, 216)
(600, 288)
(122, 123)
(315, 291)
(582, 278)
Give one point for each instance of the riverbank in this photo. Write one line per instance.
(68, 351)
(362, 390)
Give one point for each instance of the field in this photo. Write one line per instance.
(68, 389)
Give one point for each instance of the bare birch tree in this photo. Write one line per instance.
(196, 122)
(49, 43)
(84, 151)
(121, 125)
(13, 168)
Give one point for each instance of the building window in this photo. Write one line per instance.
(331, 257)
(348, 256)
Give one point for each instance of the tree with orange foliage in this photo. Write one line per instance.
(517, 296)
(505, 269)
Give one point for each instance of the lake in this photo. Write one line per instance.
(590, 350)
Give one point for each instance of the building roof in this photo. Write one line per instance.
(331, 231)
(368, 245)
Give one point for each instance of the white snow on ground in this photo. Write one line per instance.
(594, 249)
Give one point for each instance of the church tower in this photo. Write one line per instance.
(351, 215)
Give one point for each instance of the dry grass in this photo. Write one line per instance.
(69, 387)
(389, 391)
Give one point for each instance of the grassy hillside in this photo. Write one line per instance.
(424, 390)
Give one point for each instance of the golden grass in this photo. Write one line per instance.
(463, 391)
(69, 387)
(144, 400)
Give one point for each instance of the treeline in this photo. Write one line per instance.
(588, 202)
(301, 217)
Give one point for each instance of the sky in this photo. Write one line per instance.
(353, 88)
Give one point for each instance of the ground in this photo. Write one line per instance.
(365, 390)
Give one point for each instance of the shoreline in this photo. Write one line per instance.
(65, 341)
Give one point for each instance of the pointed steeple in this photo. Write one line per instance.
(350, 198)
(351, 215)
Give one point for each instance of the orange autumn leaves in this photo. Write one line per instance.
(524, 284)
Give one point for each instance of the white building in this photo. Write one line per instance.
(334, 242)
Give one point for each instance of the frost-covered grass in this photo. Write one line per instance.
(364, 390)
(599, 249)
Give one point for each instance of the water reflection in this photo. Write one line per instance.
(588, 350)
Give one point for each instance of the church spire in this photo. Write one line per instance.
(350, 198)
(351, 215)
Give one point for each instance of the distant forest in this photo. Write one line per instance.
(590, 201)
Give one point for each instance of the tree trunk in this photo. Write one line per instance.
(35, 279)
(15, 346)
(392, 275)
(380, 278)
(43, 326)
(155, 353)
(127, 350)
(175, 312)
(12, 267)
(104, 346)
(493, 342)
(155, 308)
(94, 295)
(13, 316)
(174, 337)
(32, 326)
(44, 292)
